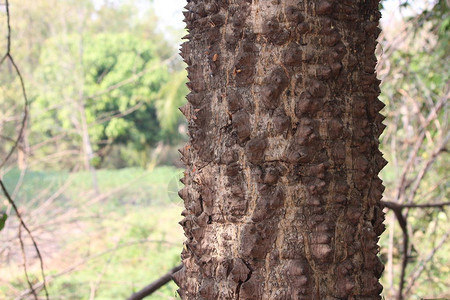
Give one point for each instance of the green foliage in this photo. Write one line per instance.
(117, 85)
(3, 218)
(415, 80)
(113, 59)
(104, 68)
(171, 97)
(439, 19)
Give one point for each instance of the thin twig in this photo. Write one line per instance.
(95, 286)
(395, 206)
(120, 114)
(403, 184)
(421, 267)
(12, 141)
(24, 258)
(8, 36)
(402, 221)
(25, 110)
(131, 79)
(426, 167)
(73, 267)
(9, 57)
(38, 252)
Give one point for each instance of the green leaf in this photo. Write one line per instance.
(3, 218)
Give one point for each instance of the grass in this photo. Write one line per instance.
(119, 244)
(139, 186)
(131, 237)
(144, 245)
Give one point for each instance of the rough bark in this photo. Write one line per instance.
(281, 191)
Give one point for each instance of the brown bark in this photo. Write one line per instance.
(281, 191)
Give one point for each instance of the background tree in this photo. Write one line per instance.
(123, 77)
(414, 68)
(60, 47)
(105, 74)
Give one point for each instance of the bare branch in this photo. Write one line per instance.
(155, 285)
(131, 79)
(73, 267)
(403, 183)
(24, 257)
(421, 265)
(9, 57)
(439, 149)
(395, 206)
(19, 216)
(120, 114)
(402, 221)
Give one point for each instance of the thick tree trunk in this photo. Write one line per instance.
(281, 188)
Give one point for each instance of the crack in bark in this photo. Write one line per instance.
(200, 199)
(249, 275)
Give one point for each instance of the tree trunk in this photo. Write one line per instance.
(281, 191)
(88, 153)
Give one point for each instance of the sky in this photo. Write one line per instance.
(170, 11)
(170, 15)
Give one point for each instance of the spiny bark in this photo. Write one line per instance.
(281, 188)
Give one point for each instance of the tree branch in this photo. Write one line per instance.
(421, 266)
(49, 278)
(22, 84)
(22, 223)
(395, 206)
(131, 79)
(402, 221)
(9, 57)
(155, 285)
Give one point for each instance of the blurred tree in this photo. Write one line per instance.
(414, 67)
(99, 74)
(122, 79)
